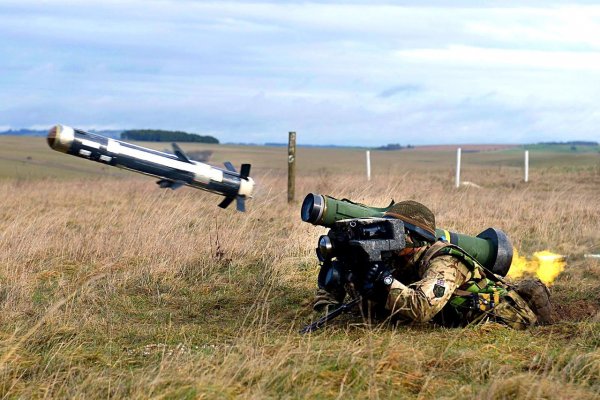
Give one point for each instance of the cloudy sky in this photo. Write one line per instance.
(354, 72)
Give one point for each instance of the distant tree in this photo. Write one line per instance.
(391, 146)
(156, 135)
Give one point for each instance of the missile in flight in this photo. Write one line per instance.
(173, 170)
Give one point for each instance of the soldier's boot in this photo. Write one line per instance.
(537, 296)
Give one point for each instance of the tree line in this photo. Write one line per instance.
(394, 146)
(571, 143)
(157, 135)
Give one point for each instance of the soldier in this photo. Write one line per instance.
(430, 282)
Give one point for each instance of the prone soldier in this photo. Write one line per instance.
(433, 280)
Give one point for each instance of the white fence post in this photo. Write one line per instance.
(368, 165)
(458, 151)
(526, 165)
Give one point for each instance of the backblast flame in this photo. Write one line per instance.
(550, 265)
(544, 264)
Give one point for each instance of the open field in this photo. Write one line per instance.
(29, 157)
(110, 287)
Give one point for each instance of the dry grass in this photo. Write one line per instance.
(113, 288)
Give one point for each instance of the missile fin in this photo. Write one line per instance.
(245, 171)
(167, 183)
(226, 202)
(240, 204)
(180, 154)
(229, 166)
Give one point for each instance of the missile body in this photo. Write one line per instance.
(173, 170)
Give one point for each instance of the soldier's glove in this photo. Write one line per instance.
(376, 283)
(325, 300)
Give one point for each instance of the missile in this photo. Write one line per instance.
(173, 170)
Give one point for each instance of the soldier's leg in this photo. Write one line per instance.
(513, 311)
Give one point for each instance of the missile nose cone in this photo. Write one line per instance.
(60, 138)
(52, 136)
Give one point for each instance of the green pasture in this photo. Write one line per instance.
(112, 288)
(31, 158)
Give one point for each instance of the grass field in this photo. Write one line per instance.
(112, 288)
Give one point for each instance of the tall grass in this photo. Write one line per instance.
(113, 288)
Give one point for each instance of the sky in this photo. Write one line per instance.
(362, 73)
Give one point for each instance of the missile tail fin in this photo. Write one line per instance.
(226, 202)
(245, 171)
(180, 154)
(167, 183)
(240, 204)
(229, 166)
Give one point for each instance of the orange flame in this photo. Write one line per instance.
(544, 264)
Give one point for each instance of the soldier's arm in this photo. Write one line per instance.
(423, 299)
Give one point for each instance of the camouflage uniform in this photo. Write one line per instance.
(421, 300)
(443, 279)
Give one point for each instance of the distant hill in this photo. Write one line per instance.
(115, 134)
(148, 135)
(24, 132)
(323, 146)
(156, 135)
(573, 146)
(570, 143)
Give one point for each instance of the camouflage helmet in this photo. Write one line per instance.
(413, 213)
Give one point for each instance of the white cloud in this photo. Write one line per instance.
(499, 59)
(575, 27)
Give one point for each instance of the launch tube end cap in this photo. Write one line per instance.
(60, 138)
